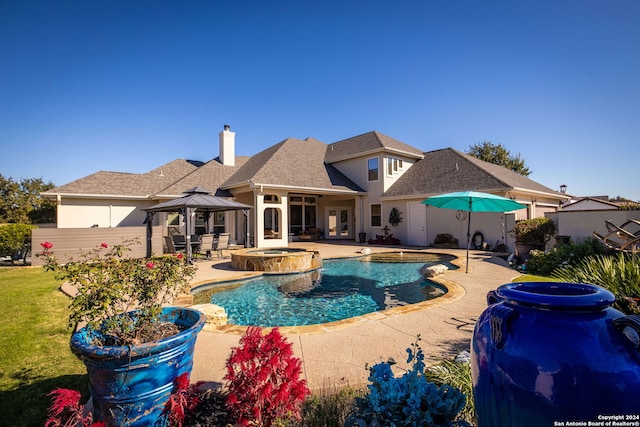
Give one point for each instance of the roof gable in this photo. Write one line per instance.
(448, 170)
(367, 143)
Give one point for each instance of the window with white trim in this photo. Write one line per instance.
(394, 165)
(372, 169)
(376, 215)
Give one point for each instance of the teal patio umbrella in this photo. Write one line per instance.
(473, 201)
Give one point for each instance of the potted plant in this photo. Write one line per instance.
(132, 345)
(532, 234)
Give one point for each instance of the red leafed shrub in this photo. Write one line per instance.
(66, 410)
(264, 379)
(183, 400)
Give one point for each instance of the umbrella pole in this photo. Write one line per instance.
(468, 236)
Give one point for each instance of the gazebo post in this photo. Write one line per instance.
(149, 222)
(187, 233)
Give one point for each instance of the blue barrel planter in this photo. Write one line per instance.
(546, 354)
(130, 385)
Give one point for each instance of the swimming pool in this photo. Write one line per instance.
(343, 288)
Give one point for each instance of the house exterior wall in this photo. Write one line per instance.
(391, 176)
(357, 170)
(86, 213)
(494, 226)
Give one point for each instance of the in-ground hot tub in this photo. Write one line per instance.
(275, 260)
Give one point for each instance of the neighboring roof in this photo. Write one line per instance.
(293, 163)
(448, 170)
(591, 201)
(368, 143)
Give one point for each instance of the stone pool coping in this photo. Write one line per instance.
(336, 354)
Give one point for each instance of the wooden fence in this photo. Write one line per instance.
(72, 241)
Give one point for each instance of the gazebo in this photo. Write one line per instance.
(195, 199)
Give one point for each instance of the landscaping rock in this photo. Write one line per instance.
(434, 270)
(214, 314)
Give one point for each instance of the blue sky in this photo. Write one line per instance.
(130, 85)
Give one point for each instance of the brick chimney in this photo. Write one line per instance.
(227, 146)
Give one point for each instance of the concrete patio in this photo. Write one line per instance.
(338, 353)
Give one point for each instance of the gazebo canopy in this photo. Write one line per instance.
(200, 199)
(196, 199)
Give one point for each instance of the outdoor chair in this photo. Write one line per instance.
(206, 245)
(179, 242)
(630, 229)
(624, 238)
(223, 243)
(168, 241)
(195, 243)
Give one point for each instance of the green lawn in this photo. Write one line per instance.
(532, 278)
(34, 346)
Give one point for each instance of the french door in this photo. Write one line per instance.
(338, 223)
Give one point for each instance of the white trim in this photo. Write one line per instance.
(318, 190)
(544, 193)
(376, 151)
(94, 196)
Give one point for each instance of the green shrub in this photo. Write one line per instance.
(330, 407)
(619, 273)
(458, 375)
(563, 255)
(535, 231)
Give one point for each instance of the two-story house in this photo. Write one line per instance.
(345, 189)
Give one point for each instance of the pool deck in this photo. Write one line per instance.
(337, 353)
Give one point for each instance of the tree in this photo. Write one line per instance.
(14, 240)
(21, 202)
(498, 155)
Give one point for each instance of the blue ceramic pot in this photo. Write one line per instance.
(546, 354)
(130, 385)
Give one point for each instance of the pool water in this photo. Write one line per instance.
(341, 289)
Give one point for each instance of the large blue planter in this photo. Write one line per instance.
(545, 353)
(130, 385)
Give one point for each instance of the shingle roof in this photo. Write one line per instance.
(448, 170)
(210, 175)
(367, 143)
(128, 184)
(293, 163)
